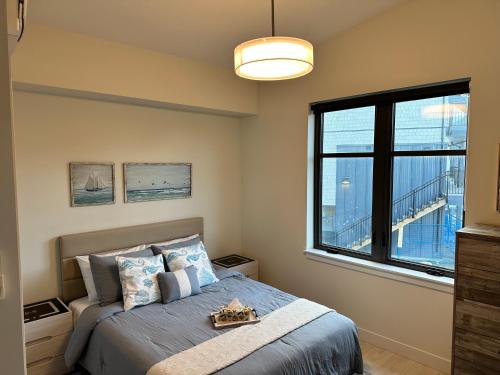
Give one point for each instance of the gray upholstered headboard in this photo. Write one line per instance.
(110, 239)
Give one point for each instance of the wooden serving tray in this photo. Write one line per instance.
(254, 318)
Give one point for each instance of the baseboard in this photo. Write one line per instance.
(408, 351)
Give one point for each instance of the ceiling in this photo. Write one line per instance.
(206, 30)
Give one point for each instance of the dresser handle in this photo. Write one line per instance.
(40, 361)
(39, 341)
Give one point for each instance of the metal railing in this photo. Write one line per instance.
(405, 207)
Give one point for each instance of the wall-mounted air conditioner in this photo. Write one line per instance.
(16, 18)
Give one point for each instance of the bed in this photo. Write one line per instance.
(107, 340)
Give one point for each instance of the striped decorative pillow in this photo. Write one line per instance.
(178, 284)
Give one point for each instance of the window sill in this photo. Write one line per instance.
(387, 271)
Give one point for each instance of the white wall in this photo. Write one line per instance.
(11, 323)
(418, 42)
(61, 61)
(52, 131)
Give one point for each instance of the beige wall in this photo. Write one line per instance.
(54, 59)
(11, 323)
(12, 24)
(421, 41)
(54, 130)
(51, 131)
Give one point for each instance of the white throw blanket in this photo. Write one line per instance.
(230, 347)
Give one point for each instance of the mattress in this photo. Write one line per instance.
(77, 306)
(108, 341)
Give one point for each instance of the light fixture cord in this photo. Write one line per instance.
(272, 17)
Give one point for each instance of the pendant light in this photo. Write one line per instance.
(273, 58)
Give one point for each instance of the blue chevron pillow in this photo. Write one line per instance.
(194, 255)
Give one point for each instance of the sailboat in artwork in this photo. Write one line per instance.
(95, 183)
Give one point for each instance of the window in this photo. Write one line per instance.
(390, 175)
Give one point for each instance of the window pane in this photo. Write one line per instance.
(347, 203)
(349, 130)
(432, 124)
(427, 208)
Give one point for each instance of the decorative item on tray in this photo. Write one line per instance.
(234, 314)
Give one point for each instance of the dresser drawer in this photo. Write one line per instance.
(484, 345)
(51, 326)
(478, 318)
(250, 268)
(486, 363)
(49, 346)
(482, 255)
(48, 366)
(478, 285)
(463, 367)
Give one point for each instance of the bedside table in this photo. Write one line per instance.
(235, 262)
(47, 328)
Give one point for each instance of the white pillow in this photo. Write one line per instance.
(170, 242)
(139, 279)
(88, 279)
(83, 262)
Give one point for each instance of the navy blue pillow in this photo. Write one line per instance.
(107, 276)
(157, 250)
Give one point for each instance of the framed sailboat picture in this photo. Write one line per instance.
(92, 184)
(156, 181)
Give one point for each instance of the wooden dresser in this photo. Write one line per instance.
(476, 325)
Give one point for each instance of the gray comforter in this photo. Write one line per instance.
(107, 340)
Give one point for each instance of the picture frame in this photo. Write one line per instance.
(92, 183)
(145, 182)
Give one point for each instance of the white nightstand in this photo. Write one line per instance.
(235, 262)
(47, 327)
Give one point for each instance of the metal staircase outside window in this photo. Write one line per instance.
(408, 208)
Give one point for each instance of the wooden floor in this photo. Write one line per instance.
(381, 362)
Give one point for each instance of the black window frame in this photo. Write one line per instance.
(383, 155)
